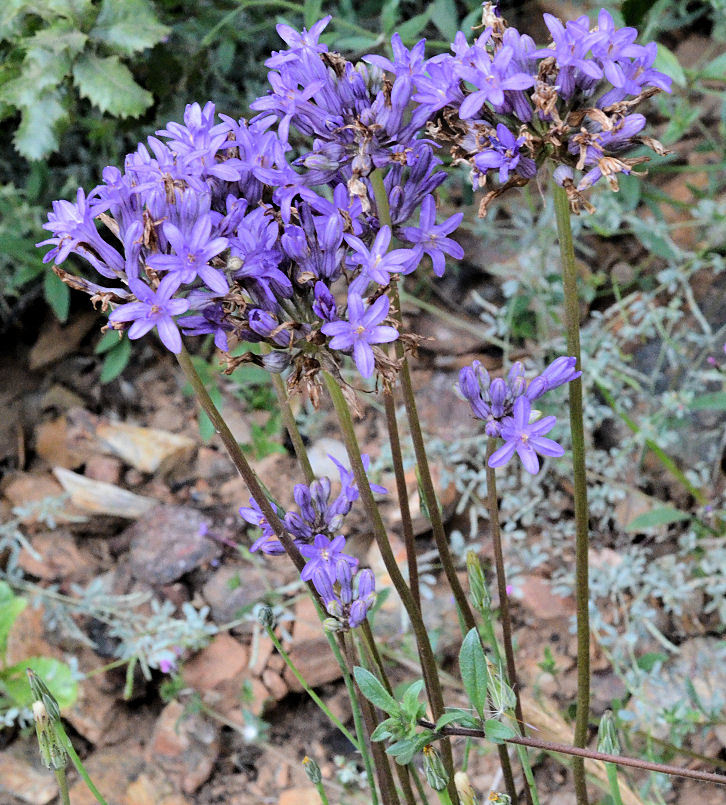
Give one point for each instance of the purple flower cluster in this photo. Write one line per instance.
(215, 229)
(505, 106)
(346, 595)
(506, 408)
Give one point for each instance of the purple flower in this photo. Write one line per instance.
(526, 439)
(503, 153)
(323, 556)
(324, 305)
(349, 606)
(490, 76)
(153, 309)
(362, 329)
(192, 252)
(349, 486)
(377, 263)
(431, 239)
(562, 370)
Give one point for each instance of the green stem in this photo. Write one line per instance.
(383, 768)
(528, 776)
(444, 797)
(68, 746)
(306, 687)
(238, 458)
(374, 659)
(60, 776)
(419, 785)
(612, 772)
(321, 793)
(577, 430)
(357, 720)
(406, 522)
(288, 418)
(506, 620)
(414, 424)
(428, 661)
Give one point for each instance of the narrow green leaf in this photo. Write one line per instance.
(389, 17)
(109, 85)
(445, 18)
(116, 360)
(374, 691)
(410, 703)
(312, 12)
(662, 515)
(473, 667)
(109, 340)
(57, 295)
(129, 26)
(667, 62)
(648, 661)
(410, 30)
(497, 732)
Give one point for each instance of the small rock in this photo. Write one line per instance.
(104, 468)
(28, 638)
(112, 769)
(275, 684)
(26, 488)
(315, 662)
(166, 543)
(22, 774)
(52, 444)
(302, 795)
(97, 716)
(153, 789)
(232, 589)
(535, 593)
(56, 558)
(97, 497)
(146, 449)
(185, 746)
(223, 659)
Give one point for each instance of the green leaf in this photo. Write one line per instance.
(37, 134)
(715, 401)
(410, 30)
(11, 606)
(496, 732)
(56, 674)
(385, 730)
(473, 667)
(715, 70)
(389, 17)
(108, 340)
(116, 360)
(445, 18)
(405, 749)
(648, 661)
(129, 26)
(312, 12)
(409, 703)
(109, 85)
(57, 295)
(667, 62)
(661, 515)
(461, 717)
(374, 691)
(634, 11)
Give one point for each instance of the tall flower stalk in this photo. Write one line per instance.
(577, 431)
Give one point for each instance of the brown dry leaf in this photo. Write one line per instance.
(57, 340)
(98, 497)
(145, 449)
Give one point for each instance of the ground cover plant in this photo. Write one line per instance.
(272, 241)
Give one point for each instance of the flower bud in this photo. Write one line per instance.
(331, 625)
(478, 592)
(266, 617)
(276, 362)
(434, 769)
(312, 770)
(52, 750)
(467, 795)
(607, 735)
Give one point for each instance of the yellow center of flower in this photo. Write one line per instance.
(360, 329)
(155, 309)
